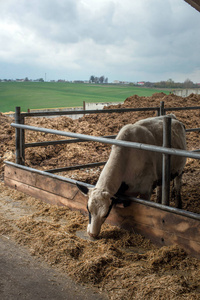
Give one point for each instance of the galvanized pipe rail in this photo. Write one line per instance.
(69, 141)
(161, 111)
(182, 108)
(90, 111)
(135, 145)
(76, 167)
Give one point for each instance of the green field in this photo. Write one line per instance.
(38, 95)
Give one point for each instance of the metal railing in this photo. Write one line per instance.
(85, 137)
(20, 117)
(166, 151)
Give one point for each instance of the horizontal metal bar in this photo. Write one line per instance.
(135, 145)
(91, 165)
(102, 111)
(123, 198)
(182, 108)
(70, 141)
(83, 112)
(192, 129)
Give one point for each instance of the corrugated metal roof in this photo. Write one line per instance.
(194, 3)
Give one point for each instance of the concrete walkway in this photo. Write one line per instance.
(23, 276)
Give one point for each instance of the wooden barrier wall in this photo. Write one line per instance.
(160, 226)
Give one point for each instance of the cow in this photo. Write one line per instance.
(135, 172)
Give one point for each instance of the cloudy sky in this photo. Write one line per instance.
(128, 40)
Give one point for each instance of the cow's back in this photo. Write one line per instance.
(150, 131)
(144, 168)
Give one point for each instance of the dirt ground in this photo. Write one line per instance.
(121, 264)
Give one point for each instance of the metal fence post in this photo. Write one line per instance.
(22, 143)
(17, 136)
(166, 161)
(162, 108)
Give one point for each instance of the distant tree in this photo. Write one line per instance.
(170, 83)
(148, 84)
(101, 79)
(41, 80)
(95, 79)
(92, 78)
(26, 79)
(188, 84)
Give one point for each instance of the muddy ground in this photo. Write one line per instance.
(123, 265)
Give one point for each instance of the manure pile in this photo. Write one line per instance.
(122, 264)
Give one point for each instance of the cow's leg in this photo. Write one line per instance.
(176, 191)
(159, 194)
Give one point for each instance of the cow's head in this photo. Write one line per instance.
(99, 207)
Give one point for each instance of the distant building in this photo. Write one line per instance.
(120, 82)
(20, 80)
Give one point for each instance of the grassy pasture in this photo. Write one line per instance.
(38, 95)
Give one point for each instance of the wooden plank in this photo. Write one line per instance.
(56, 186)
(162, 237)
(167, 221)
(20, 175)
(162, 228)
(46, 196)
(45, 183)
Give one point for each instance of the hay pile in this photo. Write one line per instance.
(123, 264)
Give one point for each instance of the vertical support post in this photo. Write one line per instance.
(166, 161)
(17, 136)
(83, 105)
(22, 142)
(162, 108)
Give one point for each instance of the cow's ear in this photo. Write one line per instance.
(84, 189)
